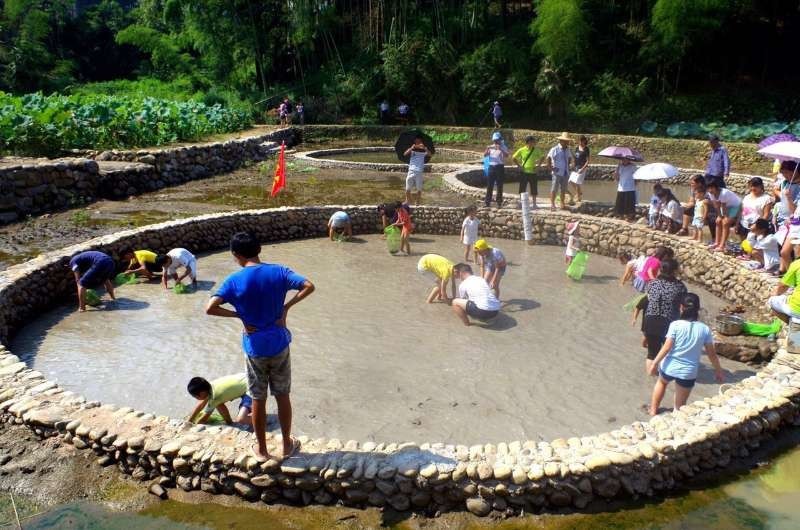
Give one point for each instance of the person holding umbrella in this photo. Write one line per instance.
(719, 164)
(625, 205)
(497, 153)
(417, 154)
(559, 162)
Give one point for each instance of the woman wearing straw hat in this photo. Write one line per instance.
(559, 162)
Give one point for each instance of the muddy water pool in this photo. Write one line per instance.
(372, 360)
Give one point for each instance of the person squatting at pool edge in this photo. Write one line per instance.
(213, 396)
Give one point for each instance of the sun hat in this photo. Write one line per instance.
(571, 227)
(564, 136)
(496, 136)
(481, 244)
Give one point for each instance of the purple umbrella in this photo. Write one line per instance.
(775, 138)
(622, 153)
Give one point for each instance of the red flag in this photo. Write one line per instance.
(279, 180)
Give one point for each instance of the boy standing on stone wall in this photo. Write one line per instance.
(258, 293)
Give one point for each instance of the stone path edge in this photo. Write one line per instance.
(635, 460)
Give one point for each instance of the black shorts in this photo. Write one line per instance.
(625, 203)
(152, 267)
(654, 344)
(478, 313)
(529, 179)
(741, 231)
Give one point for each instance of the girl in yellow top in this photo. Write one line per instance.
(442, 269)
(141, 262)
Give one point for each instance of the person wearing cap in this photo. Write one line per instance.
(497, 113)
(718, 166)
(497, 153)
(787, 306)
(439, 269)
(527, 166)
(573, 242)
(559, 162)
(679, 358)
(493, 264)
(475, 298)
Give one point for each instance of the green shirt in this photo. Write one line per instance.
(226, 389)
(790, 279)
(522, 155)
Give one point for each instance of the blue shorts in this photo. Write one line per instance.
(501, 271)
(97, 274)
(685, 383)
(247, 402)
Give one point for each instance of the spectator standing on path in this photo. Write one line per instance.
(527, 166)
(497, 153)
(258, 292)
(581, 163)
(384, 112)
(497, 113)
(403, 112)
(718, 167)
(300, 110)
(559, 162)
(416, 154)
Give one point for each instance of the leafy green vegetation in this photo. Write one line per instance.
(731, 131)
(441, 137)
(35, 123)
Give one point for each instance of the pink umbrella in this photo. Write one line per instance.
(625, 153)
(782, 151)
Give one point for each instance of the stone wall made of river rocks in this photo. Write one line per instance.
(640, 459)
(36, 186)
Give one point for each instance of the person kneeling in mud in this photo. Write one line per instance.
(213, 396)
(475, 298)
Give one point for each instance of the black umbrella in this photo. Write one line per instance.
(406, 140)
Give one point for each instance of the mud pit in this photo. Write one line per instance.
(371, 360)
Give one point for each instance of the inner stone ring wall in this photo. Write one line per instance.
(317, 159)
(641, 458)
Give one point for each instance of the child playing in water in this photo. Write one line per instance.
(405, 223)
(493, 264)
(214, 395)
(573, 242)
(441, 269)
(140, 262)
(700, 212)
(655, 207)
(174, 260)
(339, 225)
(469, 232)
(650, 268)
(632, 266)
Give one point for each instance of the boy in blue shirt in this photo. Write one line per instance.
(257, 292)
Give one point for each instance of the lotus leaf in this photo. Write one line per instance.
(648, 127)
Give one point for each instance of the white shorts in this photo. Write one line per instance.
(192, 266)
(414, 180)
(779, 304)
(469, 241)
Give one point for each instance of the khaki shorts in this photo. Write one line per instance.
(269, 375)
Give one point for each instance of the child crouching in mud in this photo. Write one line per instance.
(573, 241)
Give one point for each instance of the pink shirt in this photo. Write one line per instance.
(650, 264)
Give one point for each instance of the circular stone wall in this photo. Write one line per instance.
(640, 458)
(318, 158)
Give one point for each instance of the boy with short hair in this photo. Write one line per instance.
(215, 394)
(174, 260)
(258, 292)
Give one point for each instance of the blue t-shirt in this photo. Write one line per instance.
(91, 258)
(258, 294)
(689, 340)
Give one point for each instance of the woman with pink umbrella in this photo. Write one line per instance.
(625, 205)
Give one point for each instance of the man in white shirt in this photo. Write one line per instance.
(475, 297)
(559, 162)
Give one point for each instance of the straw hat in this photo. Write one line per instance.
(571, 227)
(565, 137)
(481, 244)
